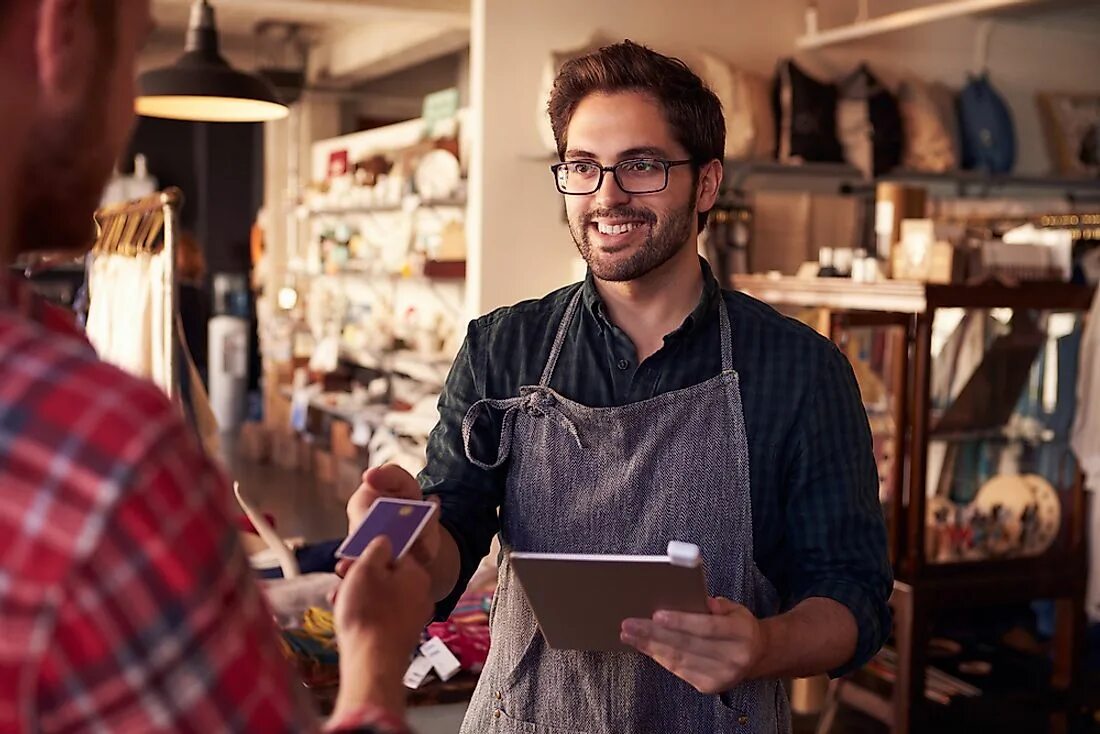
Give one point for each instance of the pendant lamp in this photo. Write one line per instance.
(201, 86)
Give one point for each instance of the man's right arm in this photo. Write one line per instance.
(468, 496)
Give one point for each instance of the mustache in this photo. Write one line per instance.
(621, 212)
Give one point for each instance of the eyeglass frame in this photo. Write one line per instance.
(666, 164)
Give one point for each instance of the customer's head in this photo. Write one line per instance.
(627, 102)
(85, 53)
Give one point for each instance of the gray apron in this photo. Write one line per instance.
(621, 480)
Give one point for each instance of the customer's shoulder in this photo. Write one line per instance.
(57, 379)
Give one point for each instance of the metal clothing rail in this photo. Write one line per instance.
(135, 227)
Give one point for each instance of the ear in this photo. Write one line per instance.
(710, 182)
(65, 46)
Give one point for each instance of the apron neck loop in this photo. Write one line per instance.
(535, 401)
(559, 339)
(726, 332)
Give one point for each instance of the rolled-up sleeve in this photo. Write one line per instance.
(469, 496)
(834, 519)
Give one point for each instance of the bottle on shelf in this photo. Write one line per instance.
(825, 266)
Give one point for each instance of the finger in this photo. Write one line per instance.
(702, 673)
(702, 647)
(393, 481)
(358, 504)
(710, 626)
(722, 605)
(378, 555)
(342, 566)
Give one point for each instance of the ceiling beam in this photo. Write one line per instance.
(377, 49)
(335, 12)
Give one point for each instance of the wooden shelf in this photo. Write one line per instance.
(434, 270)
(843, 178)
(904, 297)
(386, 208)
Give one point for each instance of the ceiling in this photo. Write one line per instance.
(240, 17)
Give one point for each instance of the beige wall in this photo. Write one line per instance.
(525, 249)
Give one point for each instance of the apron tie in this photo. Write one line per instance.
(532, 400)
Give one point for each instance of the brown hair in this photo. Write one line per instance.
(692, 110)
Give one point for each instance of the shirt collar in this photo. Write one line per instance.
(704, 309)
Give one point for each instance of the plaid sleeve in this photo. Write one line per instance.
(834, 519)
(161, 626)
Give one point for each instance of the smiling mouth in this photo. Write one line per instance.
(619, 228)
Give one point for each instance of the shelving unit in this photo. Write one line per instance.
(938, 11)
(922, 588)
(842, 178)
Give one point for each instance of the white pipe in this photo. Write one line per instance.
(907, 19)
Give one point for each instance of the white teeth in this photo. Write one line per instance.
(615, 228)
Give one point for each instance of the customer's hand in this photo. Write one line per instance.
(392, 481)
(381, 609)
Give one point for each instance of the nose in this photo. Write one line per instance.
(609, 194)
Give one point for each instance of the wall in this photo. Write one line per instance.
(516, 215)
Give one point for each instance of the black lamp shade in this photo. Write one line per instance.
(202, 86)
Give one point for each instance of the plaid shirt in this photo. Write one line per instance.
(818, 527)
(126, 602)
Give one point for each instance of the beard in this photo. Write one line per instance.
(62, 175)
(667, 235)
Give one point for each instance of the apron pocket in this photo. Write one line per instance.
(531, 651)
(530, 727)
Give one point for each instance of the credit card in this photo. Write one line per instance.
(399, 520)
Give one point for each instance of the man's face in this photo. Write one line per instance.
(624, 236)
(79, 133)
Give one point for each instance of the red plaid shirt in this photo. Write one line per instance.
(126, 602)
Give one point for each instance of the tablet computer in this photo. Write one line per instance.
(580, 601)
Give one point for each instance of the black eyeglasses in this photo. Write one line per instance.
(635, 176)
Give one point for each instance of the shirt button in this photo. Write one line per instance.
(500, 696)
(743, 720)
(496, 714)
(623, 364)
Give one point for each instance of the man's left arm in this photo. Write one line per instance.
(837, 616)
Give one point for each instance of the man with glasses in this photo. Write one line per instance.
(644, 405)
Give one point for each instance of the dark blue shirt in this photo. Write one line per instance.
(818, 528)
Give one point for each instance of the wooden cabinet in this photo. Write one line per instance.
(920, 424)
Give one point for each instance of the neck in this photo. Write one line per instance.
(655, 304)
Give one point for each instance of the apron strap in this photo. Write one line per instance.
(535, 401)
(726, 333)
(559, 340)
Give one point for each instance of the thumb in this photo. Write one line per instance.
(370, 564)
(721, 605)
(378, 555)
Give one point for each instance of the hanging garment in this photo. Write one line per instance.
(620, 480)
(869, 123)
(126, 313)
(1085, 441)
(805, 111)
(986, 127)
(930, 126)
(746, 102)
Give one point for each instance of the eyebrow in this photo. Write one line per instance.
(642, 152)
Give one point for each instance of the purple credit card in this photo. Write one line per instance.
(399, 520)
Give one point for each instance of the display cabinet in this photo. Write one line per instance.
(970, 391)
